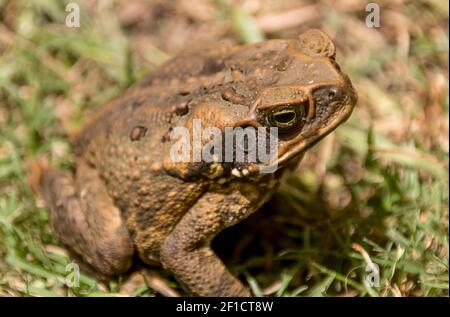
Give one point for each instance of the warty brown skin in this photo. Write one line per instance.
(127, 196)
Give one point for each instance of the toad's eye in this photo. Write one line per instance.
(285, 118)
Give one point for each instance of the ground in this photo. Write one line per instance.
(372, 197)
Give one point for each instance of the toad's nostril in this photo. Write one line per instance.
(331, 93)
(327, 94)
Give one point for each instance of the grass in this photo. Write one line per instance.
(375, 192)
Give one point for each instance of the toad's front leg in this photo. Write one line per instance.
(187, 253)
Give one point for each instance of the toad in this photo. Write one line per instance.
(130, 194)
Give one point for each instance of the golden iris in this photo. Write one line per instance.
(284, 118)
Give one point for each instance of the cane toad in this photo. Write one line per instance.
(128, 194)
